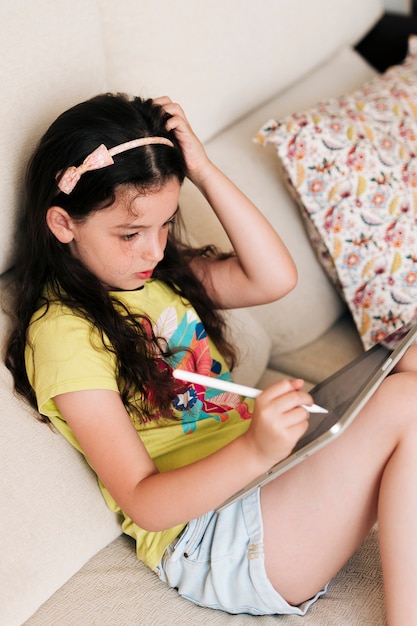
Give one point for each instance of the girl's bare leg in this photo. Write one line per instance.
(317, 514)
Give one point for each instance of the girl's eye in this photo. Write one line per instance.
(169, 222)
(129, 237)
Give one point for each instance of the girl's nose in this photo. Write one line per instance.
(155, 249)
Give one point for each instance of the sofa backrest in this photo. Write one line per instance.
(222, 58)
(51, 56)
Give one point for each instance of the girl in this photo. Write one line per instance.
(109, 301)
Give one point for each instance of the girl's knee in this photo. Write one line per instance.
(408, 363)
(397, 397)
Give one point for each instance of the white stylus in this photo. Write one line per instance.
(225, 385)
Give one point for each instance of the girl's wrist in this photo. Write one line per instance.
(201, 174)
(255, 457)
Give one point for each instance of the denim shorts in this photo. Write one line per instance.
(218, 562)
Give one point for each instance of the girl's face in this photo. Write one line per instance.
(123, 243)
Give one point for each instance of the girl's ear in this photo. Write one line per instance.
(60, 224)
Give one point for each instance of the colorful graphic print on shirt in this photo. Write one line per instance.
(197, 402)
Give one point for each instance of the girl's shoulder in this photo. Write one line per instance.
(54, 318)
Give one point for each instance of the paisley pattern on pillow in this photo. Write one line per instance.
(351, 163)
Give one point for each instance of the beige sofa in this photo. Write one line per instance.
(232, 64)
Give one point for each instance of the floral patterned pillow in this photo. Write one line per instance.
(351, 163)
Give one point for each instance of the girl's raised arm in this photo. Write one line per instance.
(263, 269)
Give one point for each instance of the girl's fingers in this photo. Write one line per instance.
(283, 386)
(280, 406)
(178, 121)
(162, 100)
(288, 391)
(173, 108)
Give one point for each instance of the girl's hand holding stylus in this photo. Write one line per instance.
(278, 420)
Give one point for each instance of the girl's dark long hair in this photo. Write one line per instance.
(43, 262)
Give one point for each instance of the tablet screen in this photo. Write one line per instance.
(339, 391)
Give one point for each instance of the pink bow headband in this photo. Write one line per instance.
(102, 157)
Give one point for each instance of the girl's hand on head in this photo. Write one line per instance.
(195, 156)
(279, 420)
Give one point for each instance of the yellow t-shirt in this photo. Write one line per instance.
(65, 353)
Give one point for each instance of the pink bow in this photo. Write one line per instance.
(99, 158)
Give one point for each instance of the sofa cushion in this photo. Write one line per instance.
(253, 346)
(351, 163)
(49, 61)
(250, 49)
(317, 360)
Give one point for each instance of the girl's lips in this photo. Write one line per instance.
(144, 275)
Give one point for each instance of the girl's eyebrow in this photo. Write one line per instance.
(128, 225)
(132, 225)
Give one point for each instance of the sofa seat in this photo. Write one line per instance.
(114, 587)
